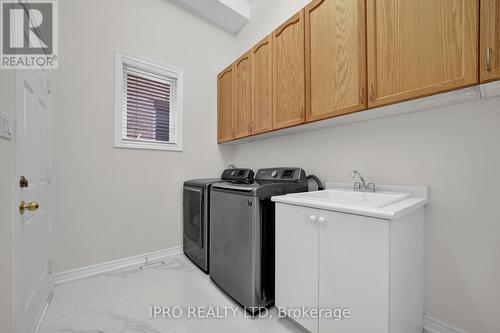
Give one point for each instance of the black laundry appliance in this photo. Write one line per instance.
(242, 223)
(196, 214)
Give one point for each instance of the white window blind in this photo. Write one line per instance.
(149, 105)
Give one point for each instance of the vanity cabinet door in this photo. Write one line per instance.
(242, 97)
(489, 68)
(288, 73)
(354, 272)
(297, 261)
(225, 105)
(420, 47)
(335, 35)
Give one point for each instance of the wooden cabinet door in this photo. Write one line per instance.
(262, 86)
(242, 97)
(335, 35)
(489, 67)
(297, 262)
(354, 272)
(420, 47)
(288, 73)
(225, 104)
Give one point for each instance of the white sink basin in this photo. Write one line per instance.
(349, 197)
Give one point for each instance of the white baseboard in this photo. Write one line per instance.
(432, 325)
(83, 272)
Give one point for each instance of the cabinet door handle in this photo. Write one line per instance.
(321, 219)
(488, 59)
(362, 96)
(372, 93)
(313, 218)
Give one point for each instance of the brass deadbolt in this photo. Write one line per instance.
(23, 182)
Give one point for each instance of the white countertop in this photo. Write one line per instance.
(392, 212)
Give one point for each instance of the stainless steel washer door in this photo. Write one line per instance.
(232, 245)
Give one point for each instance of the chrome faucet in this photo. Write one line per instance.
(362, 185)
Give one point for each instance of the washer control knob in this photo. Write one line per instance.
(274, 174)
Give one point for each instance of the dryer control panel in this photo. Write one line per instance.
(281, 174)
(238, 175)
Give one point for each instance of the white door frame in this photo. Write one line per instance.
(15, 238)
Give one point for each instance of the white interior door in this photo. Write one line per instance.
(32, 278)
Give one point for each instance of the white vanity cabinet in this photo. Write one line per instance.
(334, 260)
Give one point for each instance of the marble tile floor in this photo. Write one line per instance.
(120, 302)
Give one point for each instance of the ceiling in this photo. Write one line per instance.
(230, 15)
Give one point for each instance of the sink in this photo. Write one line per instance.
(349, 197)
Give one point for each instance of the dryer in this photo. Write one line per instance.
(196, 214)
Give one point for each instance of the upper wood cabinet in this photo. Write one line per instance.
(336, 57)
(335, 53)
(225, 124)
(489, 67)
(242, 96)
(262, 86)
(288, 73)
(420, 47)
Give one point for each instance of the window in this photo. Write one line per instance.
(148, 104)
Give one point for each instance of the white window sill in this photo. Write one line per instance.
(149, 146)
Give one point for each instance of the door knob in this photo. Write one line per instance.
(32, 206)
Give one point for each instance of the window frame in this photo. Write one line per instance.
(155, 68)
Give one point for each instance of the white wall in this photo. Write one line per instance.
(454, 150)
(5, 208)
(112, 203)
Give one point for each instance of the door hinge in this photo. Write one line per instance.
(50, 266)
(49, 176)
(48, 86)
